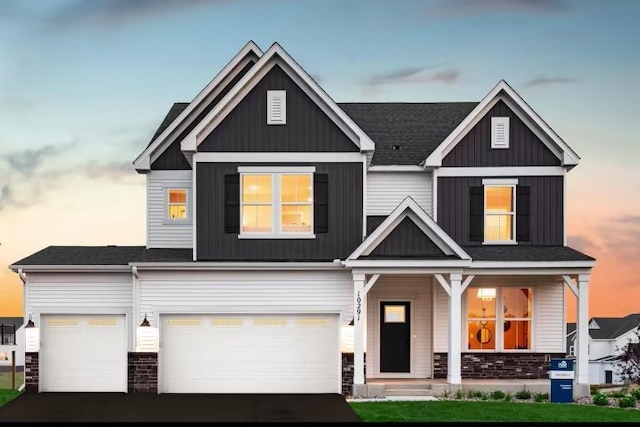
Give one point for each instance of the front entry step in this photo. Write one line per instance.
(411, 392)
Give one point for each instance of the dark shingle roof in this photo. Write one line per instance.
(416, 128)
(104, 255)
(174, 112)
(525, 253)
(16, 321)
(613, 327)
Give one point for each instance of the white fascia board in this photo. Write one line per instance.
(503, 171)
(70, 268)
(277, 157)
(395, 217)
(241, 266)
(533, 264)
(405, 263)
(396, 168)
(568, 158)
(143, 161)
(249, 80)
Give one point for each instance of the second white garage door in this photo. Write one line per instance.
(249, 354)
(83, 353)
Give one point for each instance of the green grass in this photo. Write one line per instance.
(489, 411)
(5, 380)
(7, 395)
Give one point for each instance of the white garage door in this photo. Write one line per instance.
(249, 354)
(83, 353)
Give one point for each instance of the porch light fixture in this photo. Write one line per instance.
(347, 334)
(146, 337)
(32, 337)
(486, 294)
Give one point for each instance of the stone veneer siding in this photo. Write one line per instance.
(503, 366)
(142, 377)
(31, 372)
(347, 373)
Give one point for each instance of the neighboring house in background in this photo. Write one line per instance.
(277, 218)
(607, 338)
(571, 336)
(12, 338)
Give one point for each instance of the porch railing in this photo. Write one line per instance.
(7, 334)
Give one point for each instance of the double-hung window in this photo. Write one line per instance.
(177, 204)
(499, 211)
(276, 202)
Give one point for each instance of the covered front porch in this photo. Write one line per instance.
(421, 331)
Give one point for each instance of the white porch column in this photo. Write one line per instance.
(582, 354)
(454, 374)
(359, 330)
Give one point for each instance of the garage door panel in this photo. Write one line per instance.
(83, 353)
(249, 353)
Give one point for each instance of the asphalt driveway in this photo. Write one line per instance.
(109, 407)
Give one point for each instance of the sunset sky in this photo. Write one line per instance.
(84, 84)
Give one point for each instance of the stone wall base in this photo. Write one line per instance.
(502, 366)
(142, 377)
(32, 372)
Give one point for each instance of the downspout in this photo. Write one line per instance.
(23, 278)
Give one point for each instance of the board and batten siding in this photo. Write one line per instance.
(525, 148)
(160, 232)
(344, 216)
(246, 292)
(386, 190)
(546, 208)
(79, 293)
(398, 288)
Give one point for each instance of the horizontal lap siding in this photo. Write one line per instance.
(345, 219)
(248, 292)
(79, 293)
(392, 288)
(546, 208)
(440, 319)
(525, 149)
(548, 312)
(159, 233)
(385, 191)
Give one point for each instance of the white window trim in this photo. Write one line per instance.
(499, 320)
(283, 96)
(494, 122)
(276, 201)
(499, 183)
(166, 220)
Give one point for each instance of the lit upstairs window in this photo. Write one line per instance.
(177, 205)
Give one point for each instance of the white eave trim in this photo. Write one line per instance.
(406, 208)
(568, 157)
(405, 263)
(249, 80)
(143, 161)
(396, 168)
(193, 266)
(503, 171)
(70, 268)
(277, 157)
(533, 264)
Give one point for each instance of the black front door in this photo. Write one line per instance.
(395, 336)
(608, 377)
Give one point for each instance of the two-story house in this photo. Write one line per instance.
(429, 236)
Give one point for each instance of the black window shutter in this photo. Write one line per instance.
(232, 203)
(523, 213)
(321, 202)
(476, 214)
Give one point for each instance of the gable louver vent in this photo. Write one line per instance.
(276, 107)
(499, 132)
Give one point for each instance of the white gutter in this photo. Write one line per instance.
(336, 265)
(70, 268)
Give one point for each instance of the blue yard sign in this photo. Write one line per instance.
(561, 375)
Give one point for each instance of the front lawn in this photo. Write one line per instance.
(489, 411)
(5, 380)
(7, 395)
